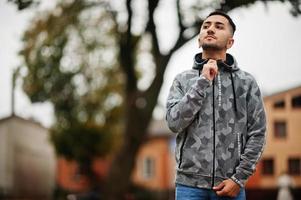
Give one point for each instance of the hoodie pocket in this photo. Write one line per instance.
(181, 150)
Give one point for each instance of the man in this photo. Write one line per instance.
(217, 111)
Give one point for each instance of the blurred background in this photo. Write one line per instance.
(84, 84)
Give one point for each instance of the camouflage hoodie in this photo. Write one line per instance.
(220, 125)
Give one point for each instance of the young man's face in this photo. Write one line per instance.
(216, 34)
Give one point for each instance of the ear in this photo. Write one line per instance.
(230, 43)
(199, 41)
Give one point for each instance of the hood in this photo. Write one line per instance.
(230, 65)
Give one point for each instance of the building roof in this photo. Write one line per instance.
(11, 117)
(283, 91)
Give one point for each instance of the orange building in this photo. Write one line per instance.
(155, 164)
(282, 153)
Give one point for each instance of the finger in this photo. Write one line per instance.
(221, 193)
(211, 61)
(206, 69)
(213, 72)
(219, 186)
(213, 66)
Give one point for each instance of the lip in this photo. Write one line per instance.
(210, 37)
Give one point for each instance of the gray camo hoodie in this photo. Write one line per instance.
(220, 125)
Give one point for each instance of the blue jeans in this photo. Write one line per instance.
(184, 192)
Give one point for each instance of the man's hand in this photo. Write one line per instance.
(210, 69)
(227, 188)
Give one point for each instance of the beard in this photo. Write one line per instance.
(214, 47)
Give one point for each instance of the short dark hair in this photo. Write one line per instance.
(218, 12)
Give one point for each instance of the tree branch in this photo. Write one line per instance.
(180, 21)
(126, 52)
(23, 4)
(162, 61)
(151, 27)
(129, 21)
(182, 39)
(295, 11)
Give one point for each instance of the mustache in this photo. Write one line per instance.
(210, 35)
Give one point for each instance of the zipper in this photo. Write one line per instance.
(213, 150)
(198, 113)
(181, 149)
(239, 144)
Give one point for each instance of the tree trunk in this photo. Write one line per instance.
(139, 110)
(119, 178)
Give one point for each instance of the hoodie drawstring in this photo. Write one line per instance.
(219, 84)
(234, 94)
(198, 64)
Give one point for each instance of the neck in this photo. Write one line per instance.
(215, 55)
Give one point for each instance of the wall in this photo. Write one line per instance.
(27, 158)
(158, 149)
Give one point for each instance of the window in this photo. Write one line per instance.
(268, 166)
(294, 166)
(77, 174)
(296, 101)
(148, 168)
(279, 104)
(280, 129)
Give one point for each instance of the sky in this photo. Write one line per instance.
(267, 45)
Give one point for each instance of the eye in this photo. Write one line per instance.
(219, 26)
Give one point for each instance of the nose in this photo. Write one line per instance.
(210, 30)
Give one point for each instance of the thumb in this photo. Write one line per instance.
(219, 186)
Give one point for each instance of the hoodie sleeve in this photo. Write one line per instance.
(182, 107)
(255, 140)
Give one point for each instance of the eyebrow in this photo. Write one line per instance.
(209, 22)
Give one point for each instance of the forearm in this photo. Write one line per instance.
(182, 111)
(255, 139)
(248, 160)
